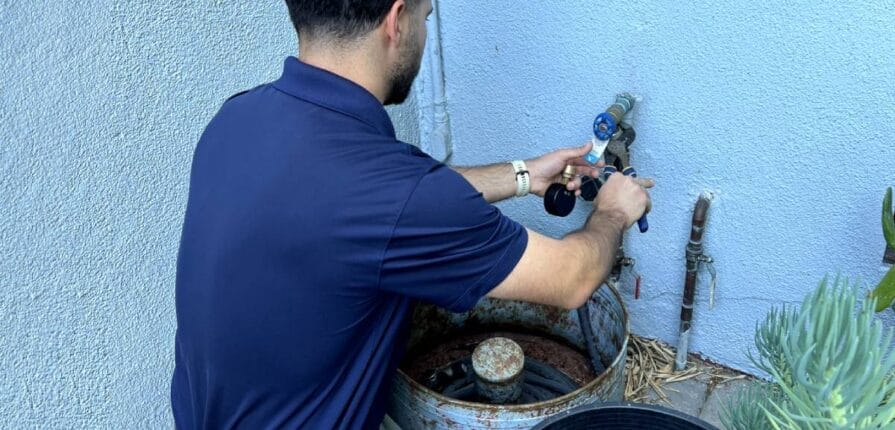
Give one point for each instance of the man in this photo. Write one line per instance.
(311, 231)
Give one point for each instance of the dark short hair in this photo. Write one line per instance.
(339, 19)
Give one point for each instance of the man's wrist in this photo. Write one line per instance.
(523, 177)
(610, 217)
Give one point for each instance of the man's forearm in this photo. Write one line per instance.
(496, 182)
(599, 241)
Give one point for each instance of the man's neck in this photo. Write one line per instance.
(353, 64)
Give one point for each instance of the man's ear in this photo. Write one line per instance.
(395, 22)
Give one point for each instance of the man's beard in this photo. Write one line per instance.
(403, 74)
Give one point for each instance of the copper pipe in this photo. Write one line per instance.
(693, 253)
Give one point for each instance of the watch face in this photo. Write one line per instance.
(523, 180)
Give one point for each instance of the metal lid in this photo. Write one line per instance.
(498, 360)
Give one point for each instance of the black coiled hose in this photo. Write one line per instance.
(541, 382)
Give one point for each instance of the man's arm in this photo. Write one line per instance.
(565, 272)
(497, 182)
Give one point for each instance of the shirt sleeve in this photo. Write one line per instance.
(450, 247)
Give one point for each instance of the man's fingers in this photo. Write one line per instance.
(586, 169)
(645, 182)
(577, 152)
(583, 168)
(580, 162)
(574, 184)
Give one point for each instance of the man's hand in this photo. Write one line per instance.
(547, 169)
(625, 197)
(565, 272)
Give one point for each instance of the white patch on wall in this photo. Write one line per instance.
(429, 90)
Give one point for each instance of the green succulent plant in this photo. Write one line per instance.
(745, 409)
(884, 293)
(828, 364)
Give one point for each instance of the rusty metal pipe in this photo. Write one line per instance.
(693, 253)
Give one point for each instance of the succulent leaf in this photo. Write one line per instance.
(829, 366)
(888, 219)
(884, 293)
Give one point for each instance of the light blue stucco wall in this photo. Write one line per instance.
(786, 112)
(101, 104)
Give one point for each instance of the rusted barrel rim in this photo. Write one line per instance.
(547, 403)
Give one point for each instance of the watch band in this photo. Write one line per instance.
(523, 179)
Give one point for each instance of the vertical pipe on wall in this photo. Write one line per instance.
(435, 123)
(694, 252)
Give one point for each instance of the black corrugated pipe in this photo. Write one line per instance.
(590, 342)
(694, 257)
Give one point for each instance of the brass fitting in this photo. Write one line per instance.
(567, 174)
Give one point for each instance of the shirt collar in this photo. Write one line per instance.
(331, 91)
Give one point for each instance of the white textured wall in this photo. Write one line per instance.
(786, 110)
(101, 105)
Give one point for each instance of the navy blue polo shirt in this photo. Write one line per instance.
(310, 231)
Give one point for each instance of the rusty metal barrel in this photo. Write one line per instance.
(441, 347)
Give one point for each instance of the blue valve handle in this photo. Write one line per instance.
(642, 223)
(606, 123)
(604, 126)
